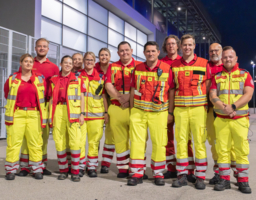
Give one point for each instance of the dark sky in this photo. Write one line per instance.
(236, 22)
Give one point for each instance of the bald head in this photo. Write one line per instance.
(215, 52)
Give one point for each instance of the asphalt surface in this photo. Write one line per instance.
(108, 186)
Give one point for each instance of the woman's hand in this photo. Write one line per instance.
(106, 118)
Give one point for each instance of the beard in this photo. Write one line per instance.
(216, 58)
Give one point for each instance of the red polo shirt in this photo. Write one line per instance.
(97, 67)
(27, 94)
(152, 70)
(248, 82)
(214, 69)
(169, 61)
(62, 95)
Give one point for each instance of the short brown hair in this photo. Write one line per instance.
(165, 41)
(151, 43)
(187, 36)
(228, 48)
(64, 57)
(122, 43)
(91, 54)
(42, 39)
(25, 56)
(104, 49)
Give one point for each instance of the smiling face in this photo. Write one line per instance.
(27, 63)
(171, 46)
(42, 48)
(66, 65)
(77, 61)
(188, 46)
(151, 53)
(215, 52)
(104, 57)
(229, 59)
(89, 62)
(125, 53)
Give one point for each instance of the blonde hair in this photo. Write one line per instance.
(91, 54)
(42, 39)
(104, 49)
(25, 56)
(77, 54)
(187, 36)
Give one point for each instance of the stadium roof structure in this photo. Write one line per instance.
(188, 16)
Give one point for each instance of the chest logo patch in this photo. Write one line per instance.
(149, 78)
(187, 73)
(127, 73)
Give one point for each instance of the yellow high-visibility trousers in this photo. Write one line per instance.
(94, 130)
(140, 121)
(62, 126)
(191, 119)
(109, 146)
(211, 136)
(26, 124)
(24, 148)
(226, 131)
(119, 124)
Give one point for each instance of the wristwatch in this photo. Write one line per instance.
(106, 112)
(233, 106)
(170, 113)
(82, 113)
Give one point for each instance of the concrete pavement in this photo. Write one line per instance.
(107, 186)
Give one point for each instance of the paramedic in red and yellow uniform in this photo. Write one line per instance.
(25, 116)
(171, 47)
(118, 85)
(189, 96)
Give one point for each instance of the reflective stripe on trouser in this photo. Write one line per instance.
(26, 124)
(61, 127)
(24, 148)
(170, 152)
(226, 130)
(140, 121)
(119, 124)
(94, 130)
(191, 120)
(109, 147)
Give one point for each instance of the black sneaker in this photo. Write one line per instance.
(244, 187)
(47, 172)
(38, 176)
(122, 175)
(63, 176)
(170, 174)
(92, 173)
(133, 181)
(191, 178)
(181, 181)
(81, 173)
(23, 173)
(214, 179)
(10, 176)
(145, 176)
(104, 170)
(75, 177)
(222, 185)
(159, 181)
(200, 185)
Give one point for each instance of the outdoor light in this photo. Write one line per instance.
(203, 38)
(179, 8)
(252, 63)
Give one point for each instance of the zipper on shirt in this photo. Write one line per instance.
(123, 80)
(229, 91)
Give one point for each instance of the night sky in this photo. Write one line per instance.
(236, 22)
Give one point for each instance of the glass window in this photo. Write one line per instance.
(140, 59)
(115, 23)
(97, 12)
(51, 30)
(140, 50)
(95, 45)
(74, 39)
(52, 9)
(130, 31)
(142, 38)
(97, 30)
(133, 44)
(114, 55)
(114, 38)
(70, 52)
(74, 19)
(80, 5)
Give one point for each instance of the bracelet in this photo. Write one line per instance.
(170, 113)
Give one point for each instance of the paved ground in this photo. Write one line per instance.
(109, 187)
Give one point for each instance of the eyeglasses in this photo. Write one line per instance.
(171, 44)
(89, 60)
(216, 50)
